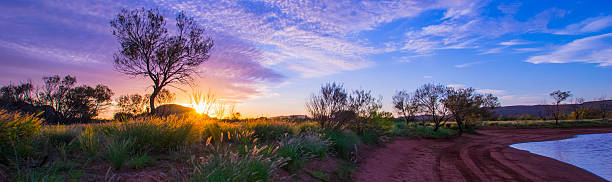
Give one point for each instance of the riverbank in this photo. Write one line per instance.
(484, 157)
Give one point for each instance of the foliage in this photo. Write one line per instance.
(559, 96)
(429, 99)
(343, 143)
(119, 152)
(269, 132)
(330, 107)
(256, 164)
(405, 105)
(466, 105)
(429, 132)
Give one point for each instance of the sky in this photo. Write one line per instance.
(270, 56)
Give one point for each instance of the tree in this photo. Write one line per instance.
(163, 97)
(405, 105)
(558, 97)
(131, 104)
(466, 103)
(603, 106)
(428, 99)
(55, 90)
(85, 102)
(579, 109)
(330, 107)
(364, 105)
(149, 50)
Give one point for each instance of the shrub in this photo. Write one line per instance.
(257, 164)
(17, 132)
(140, 161)
(270, 132)
(299, 149)
(428, 132)
(119, 152)
(343, 142)
(90, 141)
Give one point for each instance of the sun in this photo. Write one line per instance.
(199, 108)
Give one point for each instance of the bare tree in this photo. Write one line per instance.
(404, 104)
(330, 107)
(148, 50)
(558, 97)
(429, 99)
(466, 103)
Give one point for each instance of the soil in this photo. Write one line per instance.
(483, 157)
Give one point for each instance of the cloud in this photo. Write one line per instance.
(465, 65)
(594, 49)
(586, 26)
(456, 86)
(491, 91)
(427, 77)
(514, 42)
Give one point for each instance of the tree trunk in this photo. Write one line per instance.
(152, 99)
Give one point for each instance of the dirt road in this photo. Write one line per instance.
(485, 157)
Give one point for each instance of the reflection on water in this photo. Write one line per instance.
(592, 152)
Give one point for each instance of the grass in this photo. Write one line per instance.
(197, 148)
(549, 123)
(428, 132)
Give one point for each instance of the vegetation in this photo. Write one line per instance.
(148, 49)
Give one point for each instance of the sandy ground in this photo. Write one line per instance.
(485, 157)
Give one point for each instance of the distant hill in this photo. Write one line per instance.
(541, 110)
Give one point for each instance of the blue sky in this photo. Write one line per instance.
(271, 55)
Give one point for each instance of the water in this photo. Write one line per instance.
(592, 152)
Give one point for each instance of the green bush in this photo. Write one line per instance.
(17, 133)
(90, 141)
(154, 137)
(343, 142)
(141, 161)
(257, 164)
(428, 132)
(270, 132)
(299, 149)
(119, 151)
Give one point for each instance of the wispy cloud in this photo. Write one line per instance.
(586, 26)
(491, 91)
(514, 42)
(594, 49)
(465, 65)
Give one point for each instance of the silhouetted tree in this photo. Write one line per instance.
(55, 90)
(331, 106)
(405, 105)
(148, 50)
(558, 97)
(466, 103)
(85, 102)
(163, 97)
(429, 99)
(131, 104)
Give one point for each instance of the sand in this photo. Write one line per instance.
(485, 157)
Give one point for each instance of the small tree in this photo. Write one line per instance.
(85, 102)
(330, 107)
(132, 104)
(429, 99)
(405, 105)
(466, 103)
(603, 106)
(148, 50)
(558, 97)
(364, 105)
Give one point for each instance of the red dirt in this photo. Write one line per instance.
(485, 157)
